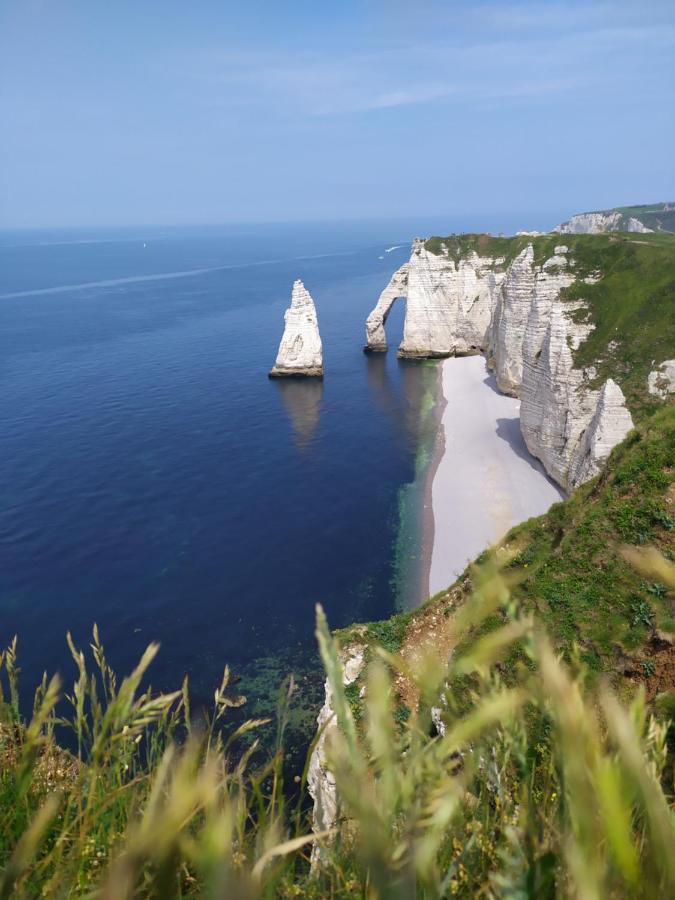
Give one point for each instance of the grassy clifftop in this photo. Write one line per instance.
(631, 305)
(568, 568)
(657, 216)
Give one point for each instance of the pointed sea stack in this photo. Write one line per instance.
(300, 351)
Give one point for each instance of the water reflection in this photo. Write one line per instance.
(302, 399)
(417, 381)
(384, 391)
(406, 394)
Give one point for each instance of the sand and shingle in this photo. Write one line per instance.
(485, 481)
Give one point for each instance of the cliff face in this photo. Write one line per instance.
(645, 218)
(600, 222)
(522, 312)
(569, 426)
(320, 780)
(516, 314)
(300, 351)
(449, 304)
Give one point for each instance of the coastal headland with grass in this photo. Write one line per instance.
(448, 747)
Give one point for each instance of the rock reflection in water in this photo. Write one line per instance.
(406, 395)
(302, 399)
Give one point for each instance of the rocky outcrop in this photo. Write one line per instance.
(300, 351)
(661, 381)
(376, 339)
(600, 222)
(519, 316)
(320, 780)
(610, 424)
(567, 424)
(449, 304)
(508, 322)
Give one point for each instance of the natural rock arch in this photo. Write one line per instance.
(376, 338)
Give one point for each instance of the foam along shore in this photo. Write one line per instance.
(485, 480)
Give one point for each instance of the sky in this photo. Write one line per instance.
(215, 111)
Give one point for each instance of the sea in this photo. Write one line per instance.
(155, 482)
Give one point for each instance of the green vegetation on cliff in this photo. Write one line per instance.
(527, 786)
(631, 304)
(567, 567)
(657, 216)
(509, 738)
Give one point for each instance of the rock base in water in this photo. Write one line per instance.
(282, 372)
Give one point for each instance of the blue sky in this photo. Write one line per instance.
(178, 112)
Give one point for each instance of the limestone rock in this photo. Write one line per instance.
(661, 381)
(600, 222)
(566, 424)
(610, 424)
(522, 313)
(449, 304)
(320, 780)
(517, 315)
(509, 320)
(300, 351)
(376, 339)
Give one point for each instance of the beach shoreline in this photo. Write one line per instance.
(482, 479)
(427, 535)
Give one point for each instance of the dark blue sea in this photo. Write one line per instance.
(153, 480)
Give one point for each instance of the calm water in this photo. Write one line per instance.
(153, 480)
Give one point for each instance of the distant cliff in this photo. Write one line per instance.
(641, 219)
(569, 326)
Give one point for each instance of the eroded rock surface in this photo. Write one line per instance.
(661, 381)
(320, 780)
(610, 424)
(300, 351)
(449, 304)
(600, 222)
(518, 315)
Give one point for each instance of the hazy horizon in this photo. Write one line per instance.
(153, 115)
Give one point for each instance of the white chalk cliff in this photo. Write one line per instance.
(320, 780)
(300, 351)
(518, 316)
(600, 222)
(448, 305)
(661, 381)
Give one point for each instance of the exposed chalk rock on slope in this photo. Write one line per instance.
(449, 304)
(641, 219)
(569, 426)
(300, 351)
(661, 381)
(320, 780)
(610, 424)
(522, 313)
(517, 313)
(600, 222)
(510, 316)
(376, 339)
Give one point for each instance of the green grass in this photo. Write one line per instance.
(631, 306)
(653, 215)
(458, 246)
(536, 787)
(567, 566)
